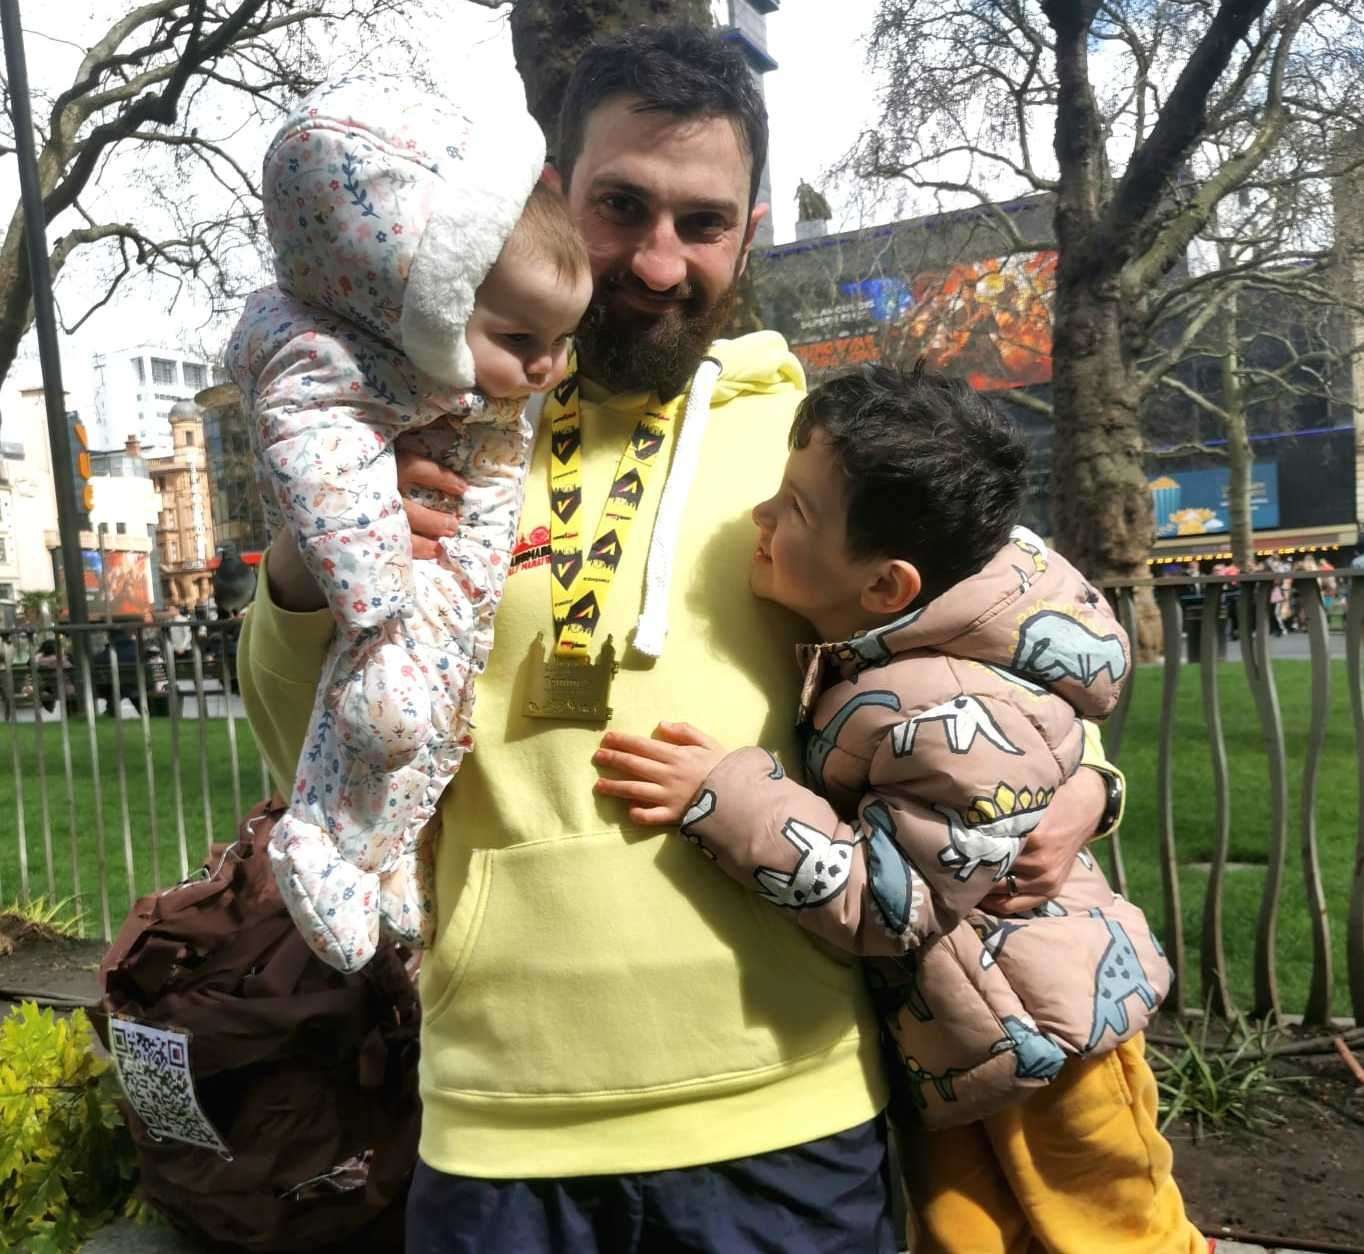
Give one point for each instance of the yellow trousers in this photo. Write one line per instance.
(1079, 1168)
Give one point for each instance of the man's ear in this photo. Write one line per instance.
(760, 211)
(893, 587)
(551, 177)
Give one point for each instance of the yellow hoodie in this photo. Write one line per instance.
(598, 999)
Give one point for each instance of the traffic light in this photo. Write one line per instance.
(80, 455)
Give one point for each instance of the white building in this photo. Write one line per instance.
(134, 391)
(28, 496)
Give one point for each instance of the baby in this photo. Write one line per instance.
(940, 714)
(426, 279)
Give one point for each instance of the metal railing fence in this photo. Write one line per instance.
(113, 728)
(129, 756)
(1197, 616)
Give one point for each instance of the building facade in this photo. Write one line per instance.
(238, 515)
(744, 23)
(954, 290)
(184, 532)
(124, 518)
(134, 392)
(28, 495)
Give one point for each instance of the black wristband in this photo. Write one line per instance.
(1113, 797)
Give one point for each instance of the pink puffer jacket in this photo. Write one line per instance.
(934, 749)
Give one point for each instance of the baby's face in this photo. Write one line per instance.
(524, 316)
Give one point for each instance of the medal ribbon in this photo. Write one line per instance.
(580, 582)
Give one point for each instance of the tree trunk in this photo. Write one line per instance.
(1238, 442)
(1101, 506)
(548, 39)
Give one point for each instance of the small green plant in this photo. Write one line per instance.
(1226, 1084)
(66, 1161)
(51, 918)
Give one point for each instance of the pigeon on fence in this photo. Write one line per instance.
(234, 582)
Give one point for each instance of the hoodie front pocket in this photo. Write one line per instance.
(615, 963)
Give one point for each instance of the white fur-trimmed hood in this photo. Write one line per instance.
(388, 205)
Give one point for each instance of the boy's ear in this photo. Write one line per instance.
(552, 178)
(893, 587)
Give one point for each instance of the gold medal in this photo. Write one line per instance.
(569, 688)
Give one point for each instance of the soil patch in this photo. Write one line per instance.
(38, 964)
(1303, 1178)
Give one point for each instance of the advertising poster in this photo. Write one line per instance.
(987, 321)
(116, 582)
(1195, 502)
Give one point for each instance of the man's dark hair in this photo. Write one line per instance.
(934, 472)
(681, 70)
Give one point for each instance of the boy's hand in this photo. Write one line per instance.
(658, 776)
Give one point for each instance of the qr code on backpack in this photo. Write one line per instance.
(153, 1068)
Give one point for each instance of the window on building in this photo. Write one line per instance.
(196, 377)
(120, 529)
(141, 370)
(6, 592)
(163, 371)
(189, 439)
(4, 549)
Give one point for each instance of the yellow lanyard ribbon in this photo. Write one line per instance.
(581, 582)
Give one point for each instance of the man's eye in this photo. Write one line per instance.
(706, 226)
(518, 338)
(625, 208)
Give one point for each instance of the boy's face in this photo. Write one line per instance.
(802, 560)
(524, 316)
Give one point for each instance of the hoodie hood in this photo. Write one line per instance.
(756, 364)
(388, 205)
(1029, 612)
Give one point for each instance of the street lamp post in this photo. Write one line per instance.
(35, 234)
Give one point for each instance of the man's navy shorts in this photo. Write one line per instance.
(830, 1196)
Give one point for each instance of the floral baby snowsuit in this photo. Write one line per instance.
(386, 208)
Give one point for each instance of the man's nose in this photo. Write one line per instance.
(658, 262)
(762, 512)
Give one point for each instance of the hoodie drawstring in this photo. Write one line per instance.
(652, 628)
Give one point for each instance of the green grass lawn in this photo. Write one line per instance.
(1337, 809)
(154, 864)
(1194, 821)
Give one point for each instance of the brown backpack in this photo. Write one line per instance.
(305, 1078)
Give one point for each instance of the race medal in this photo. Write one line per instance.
(570, 688)
(568, 684)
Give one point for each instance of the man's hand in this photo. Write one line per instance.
(428, 525)
(1068, 826)
(292, 586)
(658, 776)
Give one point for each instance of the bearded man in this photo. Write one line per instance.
(620, 1050)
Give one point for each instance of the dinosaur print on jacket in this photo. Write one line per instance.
(1053, 646)
(820, 872)
(1119, 977)
(991, 832)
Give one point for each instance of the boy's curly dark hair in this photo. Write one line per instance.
(935, 473)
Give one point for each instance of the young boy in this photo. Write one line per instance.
(426, 279)
(941, 712)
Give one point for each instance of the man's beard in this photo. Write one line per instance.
(628, 351)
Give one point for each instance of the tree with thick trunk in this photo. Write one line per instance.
(1158, 114)
(149, 94)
